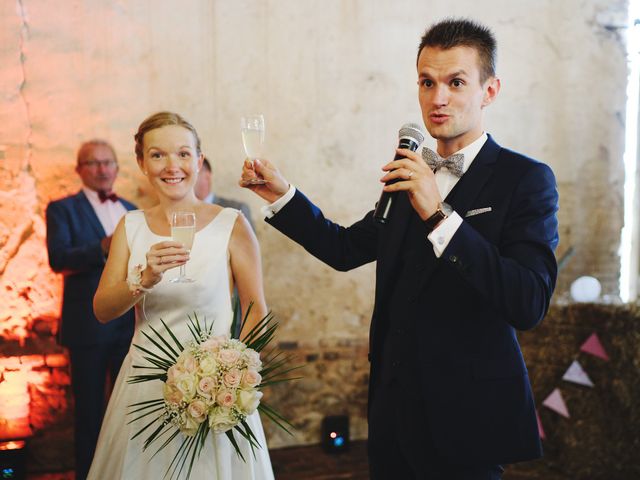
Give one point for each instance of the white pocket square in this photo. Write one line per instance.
(477, 211)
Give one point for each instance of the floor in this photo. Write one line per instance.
(308, 463)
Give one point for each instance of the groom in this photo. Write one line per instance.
(466, 259)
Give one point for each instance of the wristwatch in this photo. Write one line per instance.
(443, 211)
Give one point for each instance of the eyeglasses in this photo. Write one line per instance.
(99, 163)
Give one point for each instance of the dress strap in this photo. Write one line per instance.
(225, 221)
(133, 221)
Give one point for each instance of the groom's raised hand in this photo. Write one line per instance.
(274, 188)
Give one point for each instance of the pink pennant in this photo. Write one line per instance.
(593, 347)
(540, 429)
(556, 403)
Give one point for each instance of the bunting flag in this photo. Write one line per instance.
(576, 374)
(556, 403)
(593, 347)
(540, 429)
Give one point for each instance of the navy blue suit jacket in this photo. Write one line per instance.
(460, 311)
(73, 243)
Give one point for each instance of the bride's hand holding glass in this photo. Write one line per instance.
(163, 256)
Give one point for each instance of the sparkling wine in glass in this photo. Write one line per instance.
(183, 229)
(252, 128)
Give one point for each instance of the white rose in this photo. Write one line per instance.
(252, 358)
(208, 365)
(221, 419)
(248, 400)
(236, 344)
(187, 385)
(190, 426)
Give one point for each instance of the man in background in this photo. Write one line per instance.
(79, 229)
(204, 193)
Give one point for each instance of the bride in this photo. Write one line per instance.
(142, 262)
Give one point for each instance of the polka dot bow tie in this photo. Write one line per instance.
(454, 163)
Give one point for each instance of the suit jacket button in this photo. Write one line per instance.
(453, 258)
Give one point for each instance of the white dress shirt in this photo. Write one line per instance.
(109, 213)
(443, 233)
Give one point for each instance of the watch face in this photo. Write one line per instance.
(446, 208)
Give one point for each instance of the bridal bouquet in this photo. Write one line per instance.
(211, 383)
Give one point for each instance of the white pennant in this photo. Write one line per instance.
(576, 374)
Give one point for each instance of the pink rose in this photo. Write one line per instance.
(172, 394)
(214, 343)
(225, 398)
(251, 378)
(228, 357)
(173, 373)
(206, 386)
(188, 363)
(198, 410)
(232, 378)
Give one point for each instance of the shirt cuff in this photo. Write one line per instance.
(443, 233)
(269, 211)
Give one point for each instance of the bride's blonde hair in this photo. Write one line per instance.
(158, 120)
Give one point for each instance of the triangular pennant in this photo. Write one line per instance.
(593, 346)
(555, 402)
(540, 429)
(576, 374)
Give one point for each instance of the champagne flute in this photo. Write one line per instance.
(252, 128)
(183, 229)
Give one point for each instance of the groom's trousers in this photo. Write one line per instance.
(400, 444)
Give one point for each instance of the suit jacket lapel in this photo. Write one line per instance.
(472, 182)
(89, 214)
(461, 198)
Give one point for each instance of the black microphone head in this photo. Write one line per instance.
(413, 131)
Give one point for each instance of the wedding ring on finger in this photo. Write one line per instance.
(411, 173)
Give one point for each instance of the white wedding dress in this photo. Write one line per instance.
(117, 455)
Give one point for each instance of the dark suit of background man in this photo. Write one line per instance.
(449, 394)
(203, 192)
(79, 229)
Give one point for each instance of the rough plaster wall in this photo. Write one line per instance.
(335, 80)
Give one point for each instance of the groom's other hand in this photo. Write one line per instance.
(274, 188)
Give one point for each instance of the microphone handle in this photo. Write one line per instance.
(387, 199)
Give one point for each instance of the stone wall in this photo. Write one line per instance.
(335, 79)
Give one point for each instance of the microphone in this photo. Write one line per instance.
(411, 135)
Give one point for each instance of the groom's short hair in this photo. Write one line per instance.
(460, 32)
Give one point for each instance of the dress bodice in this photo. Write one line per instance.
(208, 296)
